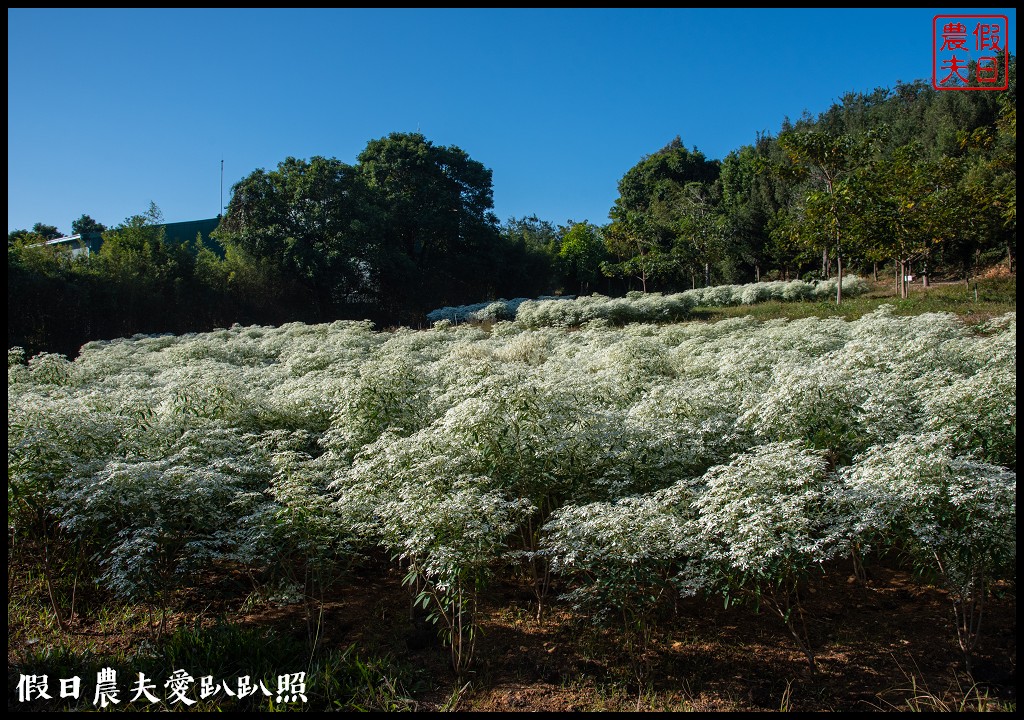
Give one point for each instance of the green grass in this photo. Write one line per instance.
(916, 696)
(996, 296)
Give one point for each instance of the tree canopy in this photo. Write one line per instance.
(909, 180)
(650, 229)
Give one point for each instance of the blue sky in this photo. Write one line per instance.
(111, 109)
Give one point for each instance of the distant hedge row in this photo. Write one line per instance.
(641, 307)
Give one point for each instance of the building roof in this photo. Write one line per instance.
(178, 233)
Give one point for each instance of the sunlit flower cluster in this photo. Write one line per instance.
(570, 311)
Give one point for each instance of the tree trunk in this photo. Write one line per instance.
(824, 264)
(757, 272)
(707, 275)
(839, 276)
(876, 271)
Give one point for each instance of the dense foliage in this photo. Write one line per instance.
(922, 179)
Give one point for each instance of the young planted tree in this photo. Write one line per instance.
(766, 521)
(581, 253)
(702, 227)
(919, 210)
(827, 161)
(622, 558)
(642, 255)
(954, 516)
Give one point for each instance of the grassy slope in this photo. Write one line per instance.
(995, 296)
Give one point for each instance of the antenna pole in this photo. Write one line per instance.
(220, 210)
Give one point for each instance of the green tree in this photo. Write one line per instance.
(581, 253)
(39, 233)
(640, 252)
(991, 179)
(307, 225)
(645, 227)
(530, 247)
(748, 203)
(790, 245)
(438, 237)
(911, 208)
(538, 235)
(701, 227)
(132, 272)
(86, 224)
(408, 228)
(42, 296)
(826, 161)
(22, 237)
(133, 248)
(47, 232)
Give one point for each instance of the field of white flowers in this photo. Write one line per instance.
(569, 311)
(637, 464)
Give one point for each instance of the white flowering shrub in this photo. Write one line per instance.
(448, 531)
(569, 311)
(50, 369)
(766, 521)
(293, 530)
(640, 307)
(15, 357)
(955, 515)
(387, 394)
(456, 314)
(622, 557)
(714, 296)
(52, 436)
(853, 285)
(796, 290)
(816, 403)
(155, 522)
(979, 412)
(497, 310)
(752, 293)
(755, 293)
(683, 428)
(628, 457)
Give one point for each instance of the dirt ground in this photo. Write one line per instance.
(885, 644)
